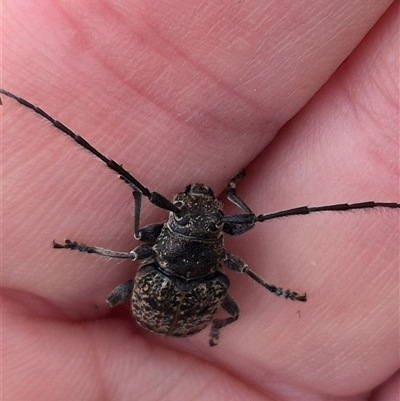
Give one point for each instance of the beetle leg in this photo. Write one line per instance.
(236, 264)
(230, 306)
(121, 293)
(137, 196)
(73, 245)
(139, 253)
(233, 196)
(142, 252)
(238, 224)
(148, 233)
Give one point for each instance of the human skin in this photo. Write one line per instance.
(182, 92)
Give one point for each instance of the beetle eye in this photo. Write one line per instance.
(182, 221)
(178, 204)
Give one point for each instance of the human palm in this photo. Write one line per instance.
(182, 93)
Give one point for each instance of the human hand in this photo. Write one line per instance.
(193, 93)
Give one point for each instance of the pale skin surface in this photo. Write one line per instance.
(187, 91)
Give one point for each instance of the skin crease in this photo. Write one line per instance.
(182, 92)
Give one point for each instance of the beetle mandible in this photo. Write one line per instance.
(180, 284)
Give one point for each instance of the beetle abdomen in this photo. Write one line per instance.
(171, 306)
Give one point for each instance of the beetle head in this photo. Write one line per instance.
(200, 213)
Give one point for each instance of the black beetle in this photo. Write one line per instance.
(180, 285)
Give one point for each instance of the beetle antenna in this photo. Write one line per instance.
(154, 197)
(238, 224)
(341, 207)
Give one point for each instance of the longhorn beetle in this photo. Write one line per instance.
(180, 284)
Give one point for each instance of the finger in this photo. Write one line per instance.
(343, 147)
(150, 100)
